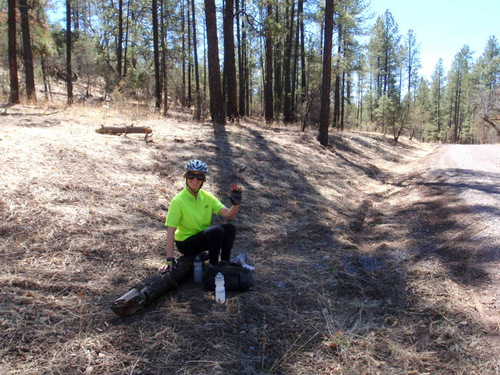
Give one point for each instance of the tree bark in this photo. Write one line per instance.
(268, 89)
(119, 50)
(189, 64)
(127, 28)
(197, 112)
(156, 54)
(216, 101)
(302, 54)
(230, 62)
(69, 73)
(327, 75)
(14, 81)
(118, 130)
(288, 116)
(241, 40)
(28, 56)
(152, 288)
(278, 64)
(184, 54)
(163, 37)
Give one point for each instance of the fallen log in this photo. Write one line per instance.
(119, 130)
(153, 287)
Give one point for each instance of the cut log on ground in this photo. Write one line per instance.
(153, 287)
(119, 130)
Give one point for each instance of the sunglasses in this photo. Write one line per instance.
(192, 176)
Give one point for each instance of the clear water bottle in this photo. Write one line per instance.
(198, 269)
(220, 290)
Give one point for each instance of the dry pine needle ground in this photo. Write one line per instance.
(336, 290)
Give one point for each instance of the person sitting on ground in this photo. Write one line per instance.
(190, 215)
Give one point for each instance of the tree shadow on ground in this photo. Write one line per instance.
(292, 240)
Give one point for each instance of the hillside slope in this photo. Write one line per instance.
(82, 221)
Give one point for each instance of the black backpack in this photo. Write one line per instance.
(236, 277)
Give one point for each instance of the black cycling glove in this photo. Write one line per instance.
(235, 197)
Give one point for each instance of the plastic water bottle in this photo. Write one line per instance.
(198, 269)
(220, 290)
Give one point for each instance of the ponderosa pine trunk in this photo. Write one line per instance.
(215, 89)
(119, 42)
(288, 116)
(302, 54)
(268, 89)
(230, 62)
(241, 40)
(69, 70)
(28, 56)
(156, 54)
(14, 81)
(324, 121)
(197, 112)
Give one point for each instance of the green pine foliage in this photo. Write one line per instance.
(376, 79)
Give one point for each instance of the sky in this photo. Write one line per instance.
(443, 27)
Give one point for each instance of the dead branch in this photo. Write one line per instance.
(491, 123)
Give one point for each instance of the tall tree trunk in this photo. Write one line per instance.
(28, 56)
(295, 66)
(69, 70)
(184, 55)
(44, 76)
(230, 62)
(278, 64)
(127, 28)
(438, 109)
(163, 38)
(327, 75)
(189, 65)
(156, 54)
(337, 97)
(287, 107)
(14, 81)
(302, 54)
(342, 102)
(268, 89)
(241, 40)
(197, 112)
(119, 50)
(216, 101)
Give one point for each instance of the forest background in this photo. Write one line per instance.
(268, 62)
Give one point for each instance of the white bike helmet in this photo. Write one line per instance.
(197, 166)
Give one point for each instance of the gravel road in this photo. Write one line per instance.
(473, 172)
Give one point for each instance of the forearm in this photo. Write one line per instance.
(170, 242)
(233, 211)
(229, 213)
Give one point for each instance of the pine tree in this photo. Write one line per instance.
(458, 90)
(216, 101)
(327, 75)
(14, 81)
(438, 85)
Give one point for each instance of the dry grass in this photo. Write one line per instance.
(339, 288)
